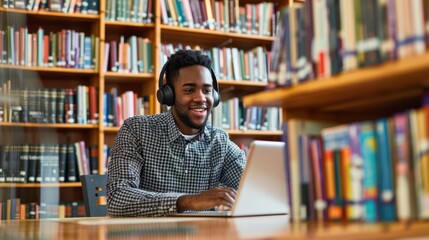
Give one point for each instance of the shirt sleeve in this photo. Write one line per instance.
(235, 161)
(124, 197)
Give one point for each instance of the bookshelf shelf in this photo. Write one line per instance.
(127, 77)
(52, 70)
(110, 129)
(40, 185)
(49, 125)
(254, 133)
(232, 88)
(212, 38)
(128, 24)
(392, 85)
(52, 15)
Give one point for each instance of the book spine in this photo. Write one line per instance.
(385, 179)
(71, 163)
(60, 108)
(93, 159)
(62, 165)
(370, 191)
(24, 152)
(32, 162)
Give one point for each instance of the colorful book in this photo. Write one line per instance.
(369, 148)
(386, 191)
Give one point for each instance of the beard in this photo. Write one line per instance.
(184, 118)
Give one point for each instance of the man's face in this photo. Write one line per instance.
(193, 98)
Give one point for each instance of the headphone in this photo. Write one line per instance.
(165, 93)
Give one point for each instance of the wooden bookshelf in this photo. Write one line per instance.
(50, 125)
(145, 84)
(51, 15)
(231, 88)
(127, 77)
(74, 71)
(372, 91)
(206, 37)
(40, 185)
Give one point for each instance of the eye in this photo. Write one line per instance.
(188, 90)
(207, 91)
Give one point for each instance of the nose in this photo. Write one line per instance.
(200, 96)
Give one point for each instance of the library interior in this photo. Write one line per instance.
(342, 83)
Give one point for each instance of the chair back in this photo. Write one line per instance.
(94, 195)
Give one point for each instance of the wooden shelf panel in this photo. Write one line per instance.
(210, 38)
(254, 133)
(383, 85)
(51, 70)
(111, 129)
(39, 185)
(115, 29)
(53, 15)
(50, 125)
(230, 132)
(231, 88)
(129, 24)
(128, 77)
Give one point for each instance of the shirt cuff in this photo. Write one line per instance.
(170, 203)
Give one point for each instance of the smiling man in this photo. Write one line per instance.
(173, 161)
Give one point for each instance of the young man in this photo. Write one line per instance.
(173, 162)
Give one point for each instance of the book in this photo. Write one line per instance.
(370, 190)
(93, 159)
(386, 197)
(355, 196)
(71, 175)
(24, 153)
(93, 106)
(403, 167)
(60, 99)
(337, 170)
(62, 162)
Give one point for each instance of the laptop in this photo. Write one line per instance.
(262, 189)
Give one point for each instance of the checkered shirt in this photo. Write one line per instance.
(152, 164)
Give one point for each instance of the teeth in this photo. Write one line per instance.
(199, 110)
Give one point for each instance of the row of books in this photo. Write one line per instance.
(232, 115)
(15, 209)
(322, 38)
(66, 48)
(223, 15)
(119, 107)
(49, 105)
(231, 63)
(47, 162)
(140, 11)
(131, 56)
(65, 6)
(365, 171)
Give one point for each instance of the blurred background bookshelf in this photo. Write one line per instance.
(70, 86)
(354, 112)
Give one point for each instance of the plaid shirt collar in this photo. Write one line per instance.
(174, 132)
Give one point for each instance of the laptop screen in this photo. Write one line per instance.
(263, 188)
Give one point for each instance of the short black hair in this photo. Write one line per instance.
(184, 58)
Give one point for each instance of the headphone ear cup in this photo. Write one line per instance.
(216, 98)
(165, 95)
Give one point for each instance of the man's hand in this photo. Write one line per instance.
(219, 196)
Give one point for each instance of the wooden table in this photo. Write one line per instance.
(267, 227)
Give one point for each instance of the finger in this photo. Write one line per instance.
(223, 202)
(228, 198)
(222, 208)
